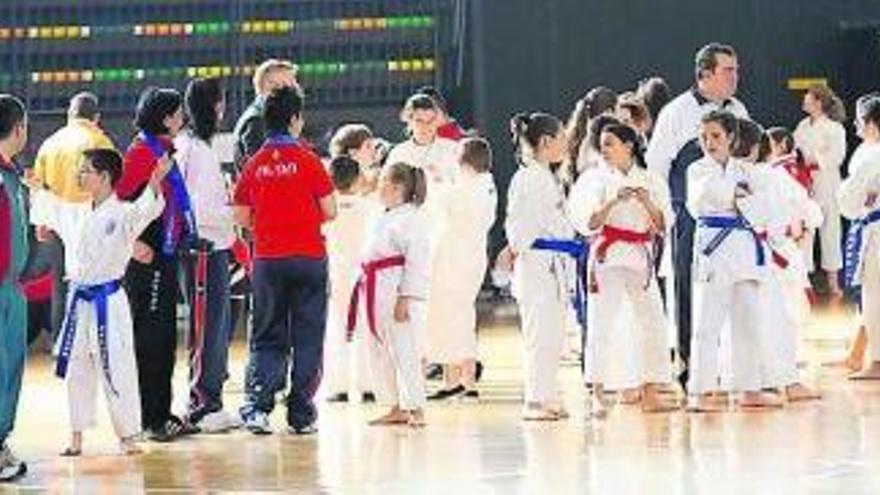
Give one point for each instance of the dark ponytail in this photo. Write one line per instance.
(530, 128)
(413, 180)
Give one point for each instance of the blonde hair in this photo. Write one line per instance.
(268, 66)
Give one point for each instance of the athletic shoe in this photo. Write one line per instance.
(11, 468)
(308, 429)
(218, 422)
(447, 393)
(257, 422)
(368, 397)
(472, 395)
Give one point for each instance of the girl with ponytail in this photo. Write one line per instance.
(542, 247)
(390, 298)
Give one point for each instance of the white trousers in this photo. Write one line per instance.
(85, 369)
(825, 188)
(871, 297)
(635, 353)
(542, 307)
(714, 304)
(397, 358)
(785, 307)
(347, 364)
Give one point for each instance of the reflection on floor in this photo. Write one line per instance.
(826, 447)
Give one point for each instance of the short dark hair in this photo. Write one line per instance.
(435, 95)
(281, 106)
(628, 135)
(201, 99)
(84, 105)
(345, 172)
(12, 113)
(477, 153)
(154, 106)
(596, 126)
(105, 160)
(707, 57)
(418, 101)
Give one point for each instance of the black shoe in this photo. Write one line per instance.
(340, 397)
(472, 395)
(447, 393)
(478, 371)
(309, 429)
(434, 371)
(368, 397)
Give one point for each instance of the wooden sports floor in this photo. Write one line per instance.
(831, 446)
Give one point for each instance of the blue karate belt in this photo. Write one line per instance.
(853, 247)
(728, 224)
(180, 203)
(97, 295)
(578, 249)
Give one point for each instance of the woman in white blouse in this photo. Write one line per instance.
(822, 138)
(200, 166)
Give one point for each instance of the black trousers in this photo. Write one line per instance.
(152, 292)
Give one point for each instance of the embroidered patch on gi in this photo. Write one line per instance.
(110, 228)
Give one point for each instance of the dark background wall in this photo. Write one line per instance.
(545, 54)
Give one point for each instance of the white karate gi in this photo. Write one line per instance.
(396, 353)
(824, 142)
(101, 248)
(541, 279)
(459, 269)
(635, 353)
(347, 366)
(726, 282)
(783, 298)
(864, 180)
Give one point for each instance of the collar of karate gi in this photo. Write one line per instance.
(702, 100)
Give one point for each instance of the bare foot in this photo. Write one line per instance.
(395, 416)
(758, 401)
(538, 412)
(703, 403)
(598, 407)
(652, 402)
(872, 372)
(797, 392)
(416, 418)
(75, 447)
(849, 363)
(127, 446)
(630, 396)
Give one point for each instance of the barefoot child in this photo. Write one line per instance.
(858, 201)
(96, 341)
(390, 298)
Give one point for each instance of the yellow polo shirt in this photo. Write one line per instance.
(59, 158)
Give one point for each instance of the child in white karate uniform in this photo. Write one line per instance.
(858, 201)
(731, 208)
(96, 342)
(626, 206)
(539, 233)
(784, 296)
(347, 360)
(452, 319)
(390, 298)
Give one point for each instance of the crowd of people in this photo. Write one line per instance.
(648, 223)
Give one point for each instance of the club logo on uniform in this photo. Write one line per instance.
(110, 228)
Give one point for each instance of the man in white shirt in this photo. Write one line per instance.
(673, 147)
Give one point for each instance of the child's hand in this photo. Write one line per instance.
(401, 309)
(505, 259)
(159, 173)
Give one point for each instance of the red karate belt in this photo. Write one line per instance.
(367, 283)
(611, 236)
(778, 259)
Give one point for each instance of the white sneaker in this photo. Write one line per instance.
(11, 468)
(219, 422)
(257, 423)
